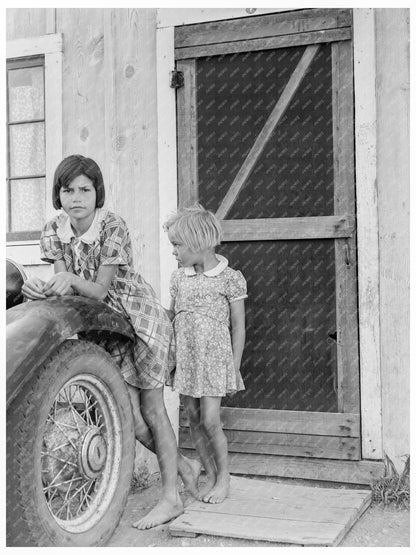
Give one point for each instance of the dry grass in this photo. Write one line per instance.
(393, 488)
(141, 479)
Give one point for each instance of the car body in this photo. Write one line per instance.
(35, 329)
(70, 427)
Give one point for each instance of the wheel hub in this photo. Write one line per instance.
(81, 446)
(92, 454)
(74, 448)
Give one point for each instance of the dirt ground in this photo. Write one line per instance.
(378, 527)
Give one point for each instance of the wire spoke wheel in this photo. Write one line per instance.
(71, 453)
(81, 444)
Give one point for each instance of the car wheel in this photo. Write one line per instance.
(70, 451)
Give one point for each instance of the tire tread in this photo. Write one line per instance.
(23, 527)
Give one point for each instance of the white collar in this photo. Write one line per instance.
(66, 233)
(220, 267)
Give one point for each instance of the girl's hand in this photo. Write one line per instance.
(170, 313)
(60, 284)
(33, 289)
(237, 363)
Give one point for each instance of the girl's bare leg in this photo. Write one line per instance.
(188, 469)
(200, 440)
(210, 419)
(155, 415)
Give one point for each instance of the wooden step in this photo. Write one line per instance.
(274, 512)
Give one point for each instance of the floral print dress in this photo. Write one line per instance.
(148, 363)
(204, 357)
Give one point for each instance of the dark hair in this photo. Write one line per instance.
(72, 167)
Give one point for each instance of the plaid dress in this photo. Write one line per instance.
(148, 363)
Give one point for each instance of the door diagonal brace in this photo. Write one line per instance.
(267, 131)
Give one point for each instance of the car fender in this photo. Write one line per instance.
(35, 329)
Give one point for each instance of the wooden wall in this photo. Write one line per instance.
(109, 113)
(392, 77)
(22, 23)
(109, 108)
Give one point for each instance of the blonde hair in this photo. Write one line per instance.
(197, 228)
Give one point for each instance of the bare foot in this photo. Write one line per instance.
(207, 487)
(219, 492)
(189, 470)
(162, 513)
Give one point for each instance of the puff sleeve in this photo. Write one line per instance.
(236, 287)
(115, 243)
(50, 245)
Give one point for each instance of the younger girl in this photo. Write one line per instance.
(92, 255)
(206, 294)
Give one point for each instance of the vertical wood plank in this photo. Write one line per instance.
(339, 260)
(187, 135)
(130, 118)
(345, 249)
(167, 161)
(54, 122)
(131, 130)
(367, 230)
(84, 85)
(167, 172)
(50, 20)
(394, 188)
(110, 123)
(25, 22)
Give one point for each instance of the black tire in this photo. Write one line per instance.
(70, 451)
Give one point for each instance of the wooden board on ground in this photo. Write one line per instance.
(275, 512)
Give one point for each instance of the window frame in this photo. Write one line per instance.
(50, 48)
(15, 64)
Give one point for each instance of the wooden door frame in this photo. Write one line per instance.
(367, 223)
(284, 432)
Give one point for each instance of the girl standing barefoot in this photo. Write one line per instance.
(209, 323)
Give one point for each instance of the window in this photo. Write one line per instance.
(34, 134)
(26, 147)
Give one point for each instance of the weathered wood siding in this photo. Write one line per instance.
(109, 108)
(392, 77)
(22, 23)
(109, 114)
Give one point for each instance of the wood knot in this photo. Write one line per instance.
(84, 134)
(120, 142)
(129, 71)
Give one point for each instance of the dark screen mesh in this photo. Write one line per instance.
(236, 94)
(289, 360)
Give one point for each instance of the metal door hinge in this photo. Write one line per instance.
(176, 79)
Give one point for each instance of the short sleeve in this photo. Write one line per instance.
(173, 286)
(50, 244)
(236, 289)
(115, 243)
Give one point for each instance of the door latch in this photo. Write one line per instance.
(347, 253)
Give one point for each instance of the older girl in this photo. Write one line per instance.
(91, 251)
